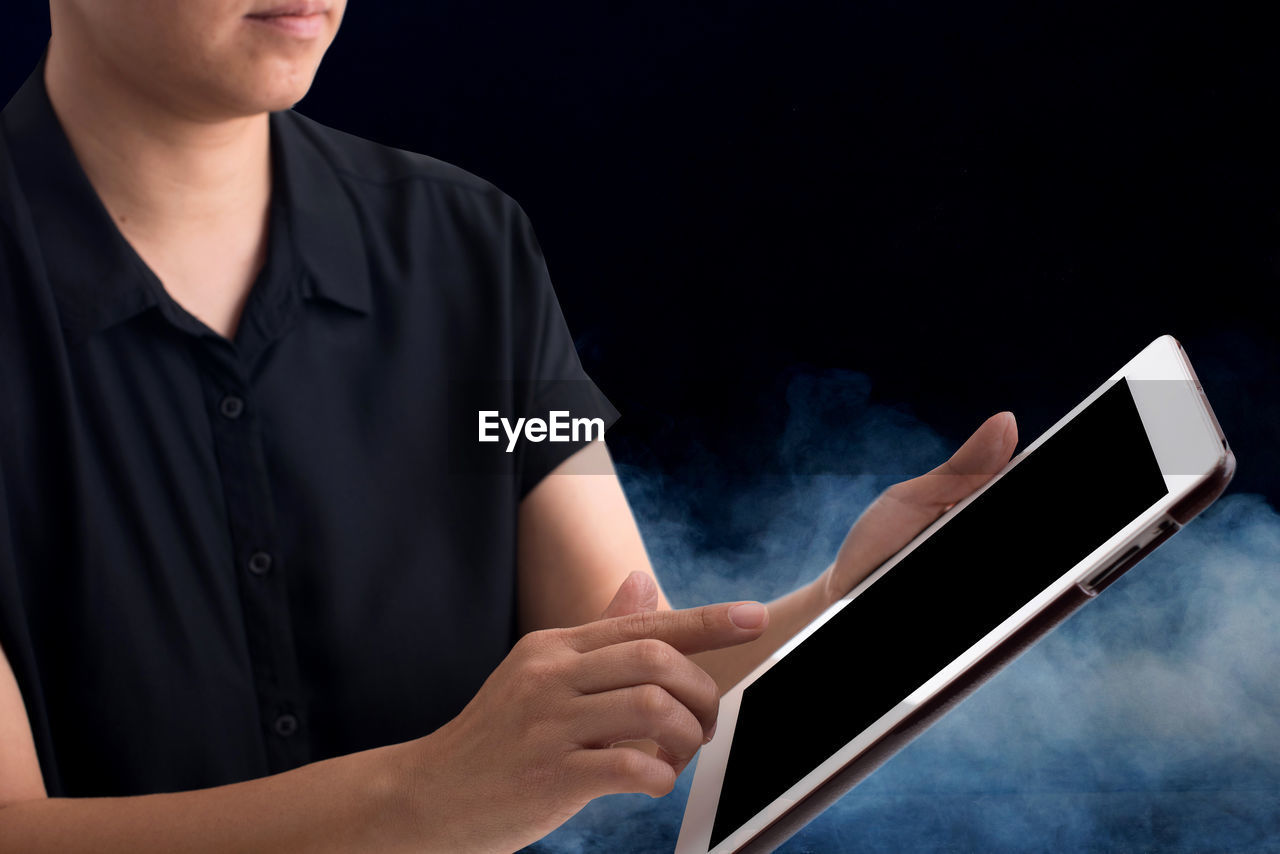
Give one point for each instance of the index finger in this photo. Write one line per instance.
(689, 630)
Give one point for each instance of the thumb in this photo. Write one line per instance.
(638, 592)
(977, 460)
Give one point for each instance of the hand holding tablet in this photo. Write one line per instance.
(905, 509)
(1120, 473)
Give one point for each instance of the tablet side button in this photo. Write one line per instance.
(1102, 579)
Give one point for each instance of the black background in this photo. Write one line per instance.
(981, 206)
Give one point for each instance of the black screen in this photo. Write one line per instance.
(1061, 502)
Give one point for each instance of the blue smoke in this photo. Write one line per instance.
(1148, 722)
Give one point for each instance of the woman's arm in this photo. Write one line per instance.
(578, 539)
(350, 803)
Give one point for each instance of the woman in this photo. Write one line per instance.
(261, 585)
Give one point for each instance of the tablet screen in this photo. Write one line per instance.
(1058, 504)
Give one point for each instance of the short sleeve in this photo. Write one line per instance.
(553, 386)
(15, 640)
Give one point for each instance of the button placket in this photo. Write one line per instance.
(241, 461)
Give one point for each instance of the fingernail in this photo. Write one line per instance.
(711, 733)
(748, 615)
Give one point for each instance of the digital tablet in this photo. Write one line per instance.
(1115, 477)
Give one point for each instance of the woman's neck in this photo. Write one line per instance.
(156, 168)
(189, 191)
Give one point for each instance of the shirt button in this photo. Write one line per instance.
(232, 406)
(286, 725)
(260, 563)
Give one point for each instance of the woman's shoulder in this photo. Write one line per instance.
(373, 164)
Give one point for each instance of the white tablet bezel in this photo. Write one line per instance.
(1188, 447)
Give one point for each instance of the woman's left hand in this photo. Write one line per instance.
(907, 508)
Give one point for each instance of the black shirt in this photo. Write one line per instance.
(222, 558)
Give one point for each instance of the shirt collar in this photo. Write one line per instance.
(98, 279)
(322, 218)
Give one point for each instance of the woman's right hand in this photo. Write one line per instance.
(535, 743)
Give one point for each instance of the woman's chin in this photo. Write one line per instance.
(275, 89)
